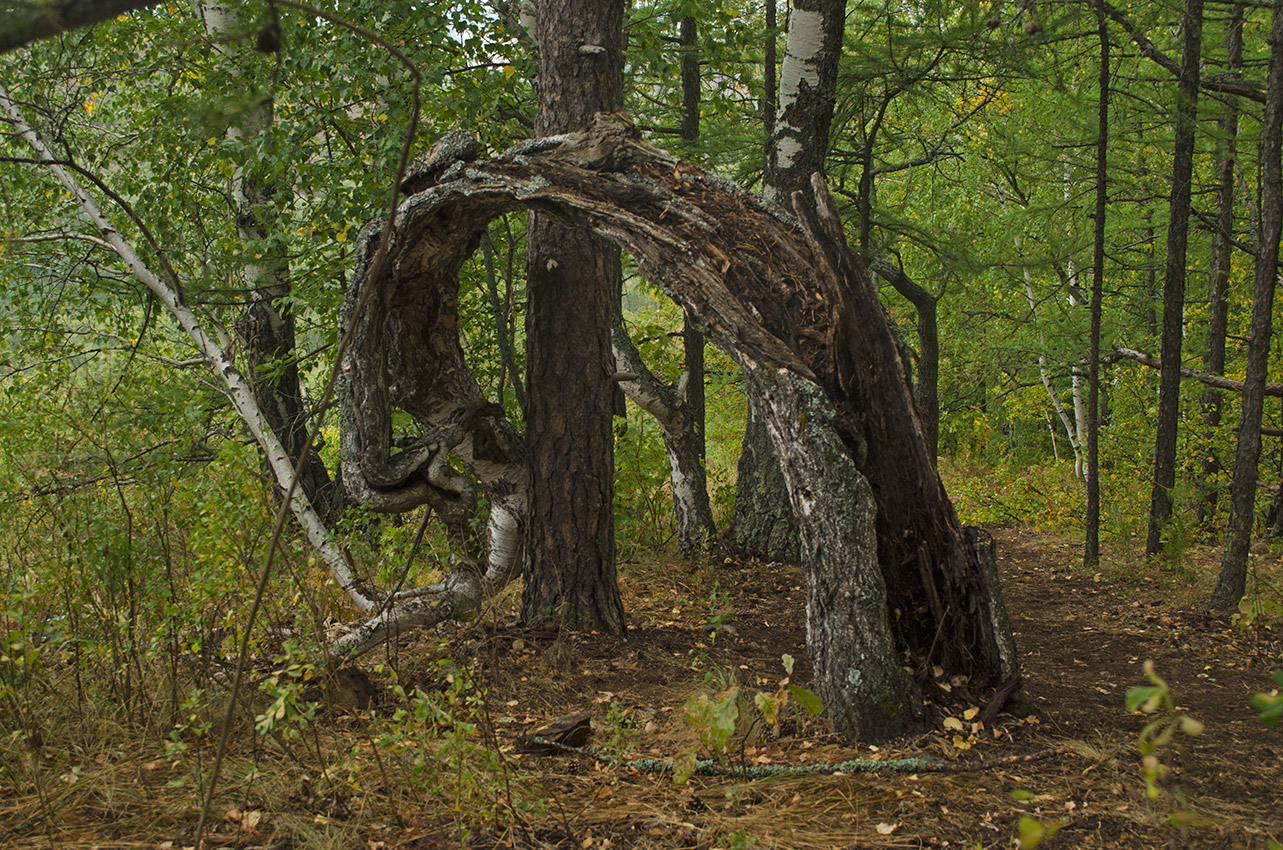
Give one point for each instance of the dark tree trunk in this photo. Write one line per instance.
(1091, 545)
(1219, 272)
(762, 522)
(1232, 581)
(926, 386)
(570, 576)
(1160, 511)
(692, 337)
(796, 146)
(895, 583)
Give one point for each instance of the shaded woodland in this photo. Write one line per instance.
(420, 417)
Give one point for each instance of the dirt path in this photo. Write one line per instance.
(1084, 639)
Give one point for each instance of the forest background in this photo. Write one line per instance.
(963, 152)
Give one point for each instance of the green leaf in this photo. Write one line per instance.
(1142, 695)
(1020, 795)
(1030, 832)
(684, 767)
(807, 699)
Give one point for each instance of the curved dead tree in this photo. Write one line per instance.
(896, 586)
(405, 354)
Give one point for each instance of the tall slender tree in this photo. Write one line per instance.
(1232, 581)
(1219, 267)
(265, 328)
(763, 524)
(1091, 547)
(570, 578)
(1160, 509)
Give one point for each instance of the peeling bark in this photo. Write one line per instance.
(796, 311)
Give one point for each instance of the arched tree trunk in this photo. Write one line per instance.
(797, 312)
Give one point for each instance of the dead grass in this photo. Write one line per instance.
(76, 773)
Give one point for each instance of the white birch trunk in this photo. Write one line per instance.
(1071, 431)
(238, 390)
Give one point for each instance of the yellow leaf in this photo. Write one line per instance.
(953, 723)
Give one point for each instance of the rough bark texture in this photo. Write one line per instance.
(405, 354)
(797, 312)
(1232, 581)
(762, 522)
(1219, 270)
(570, 579)
(1169, 381)
(796, 145)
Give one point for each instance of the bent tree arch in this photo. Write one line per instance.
(895, 585)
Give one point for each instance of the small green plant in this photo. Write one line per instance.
(740, 840)
(719, 612)
(772, 705)
(1156, 699)
(1030, 831)
(1271, 705)
(621, 733)
(713, 718)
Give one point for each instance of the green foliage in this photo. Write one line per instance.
(714, 717)
(1156, 699)
(1030, 832)
(1048, 498)
(1270, 704)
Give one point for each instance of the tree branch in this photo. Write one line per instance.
(25, 21)
(1217, 83)
(1218, 381)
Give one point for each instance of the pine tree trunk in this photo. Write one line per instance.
(570, 579)
(1169, 380)
(1232, 581)
(1219, 272)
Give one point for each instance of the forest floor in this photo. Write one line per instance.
(1068, 759)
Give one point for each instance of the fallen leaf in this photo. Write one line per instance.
(886, 828)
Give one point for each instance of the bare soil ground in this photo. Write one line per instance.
(1083, 638)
